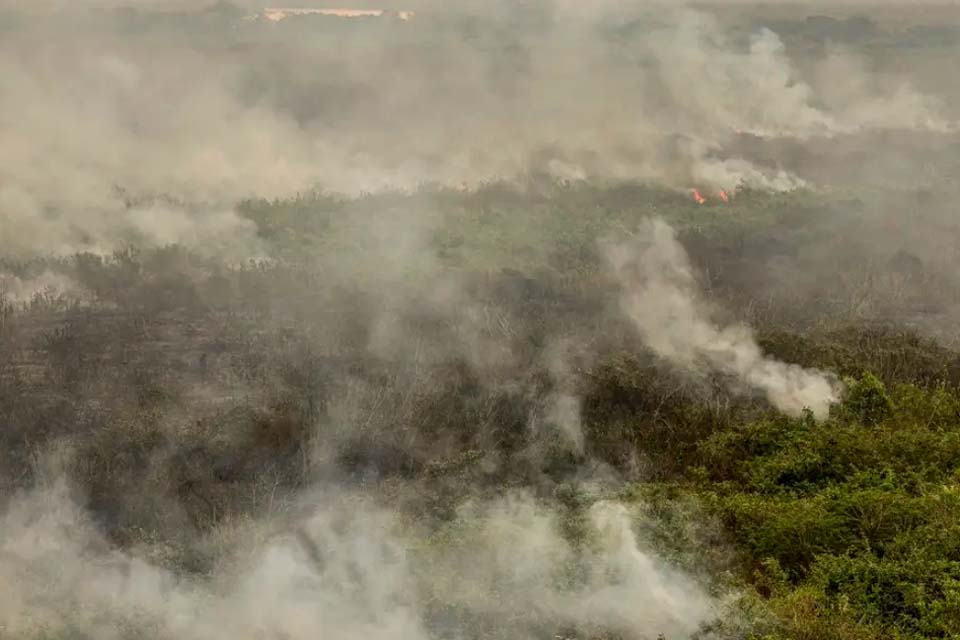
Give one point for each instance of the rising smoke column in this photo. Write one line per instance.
(661, 297)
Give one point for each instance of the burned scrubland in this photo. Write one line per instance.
(546, 320)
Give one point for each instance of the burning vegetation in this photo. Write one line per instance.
(278, 14)
(699, 198)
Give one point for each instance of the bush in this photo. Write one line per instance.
(868, 401)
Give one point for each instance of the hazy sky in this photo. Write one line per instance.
(197, 4)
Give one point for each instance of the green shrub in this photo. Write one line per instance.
(867, 399)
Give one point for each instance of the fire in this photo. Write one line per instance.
(699, 198)
(278, 14)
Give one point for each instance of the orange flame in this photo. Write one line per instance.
(724, 196)
(697, 196)
(277, 14)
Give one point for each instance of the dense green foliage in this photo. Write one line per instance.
(847, 528)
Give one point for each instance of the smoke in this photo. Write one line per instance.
(866, 101)
(662, 299)
(347, 567)
(22, 290)
(209, 110)
(147, 129)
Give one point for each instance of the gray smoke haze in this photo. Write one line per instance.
(100, 116)
(21, 291)
(662, 299)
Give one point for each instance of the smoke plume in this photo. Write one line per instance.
(662, 299)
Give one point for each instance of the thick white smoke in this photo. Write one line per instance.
(348, 569)
(662, 299)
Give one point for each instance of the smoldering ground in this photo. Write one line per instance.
(374, 430)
